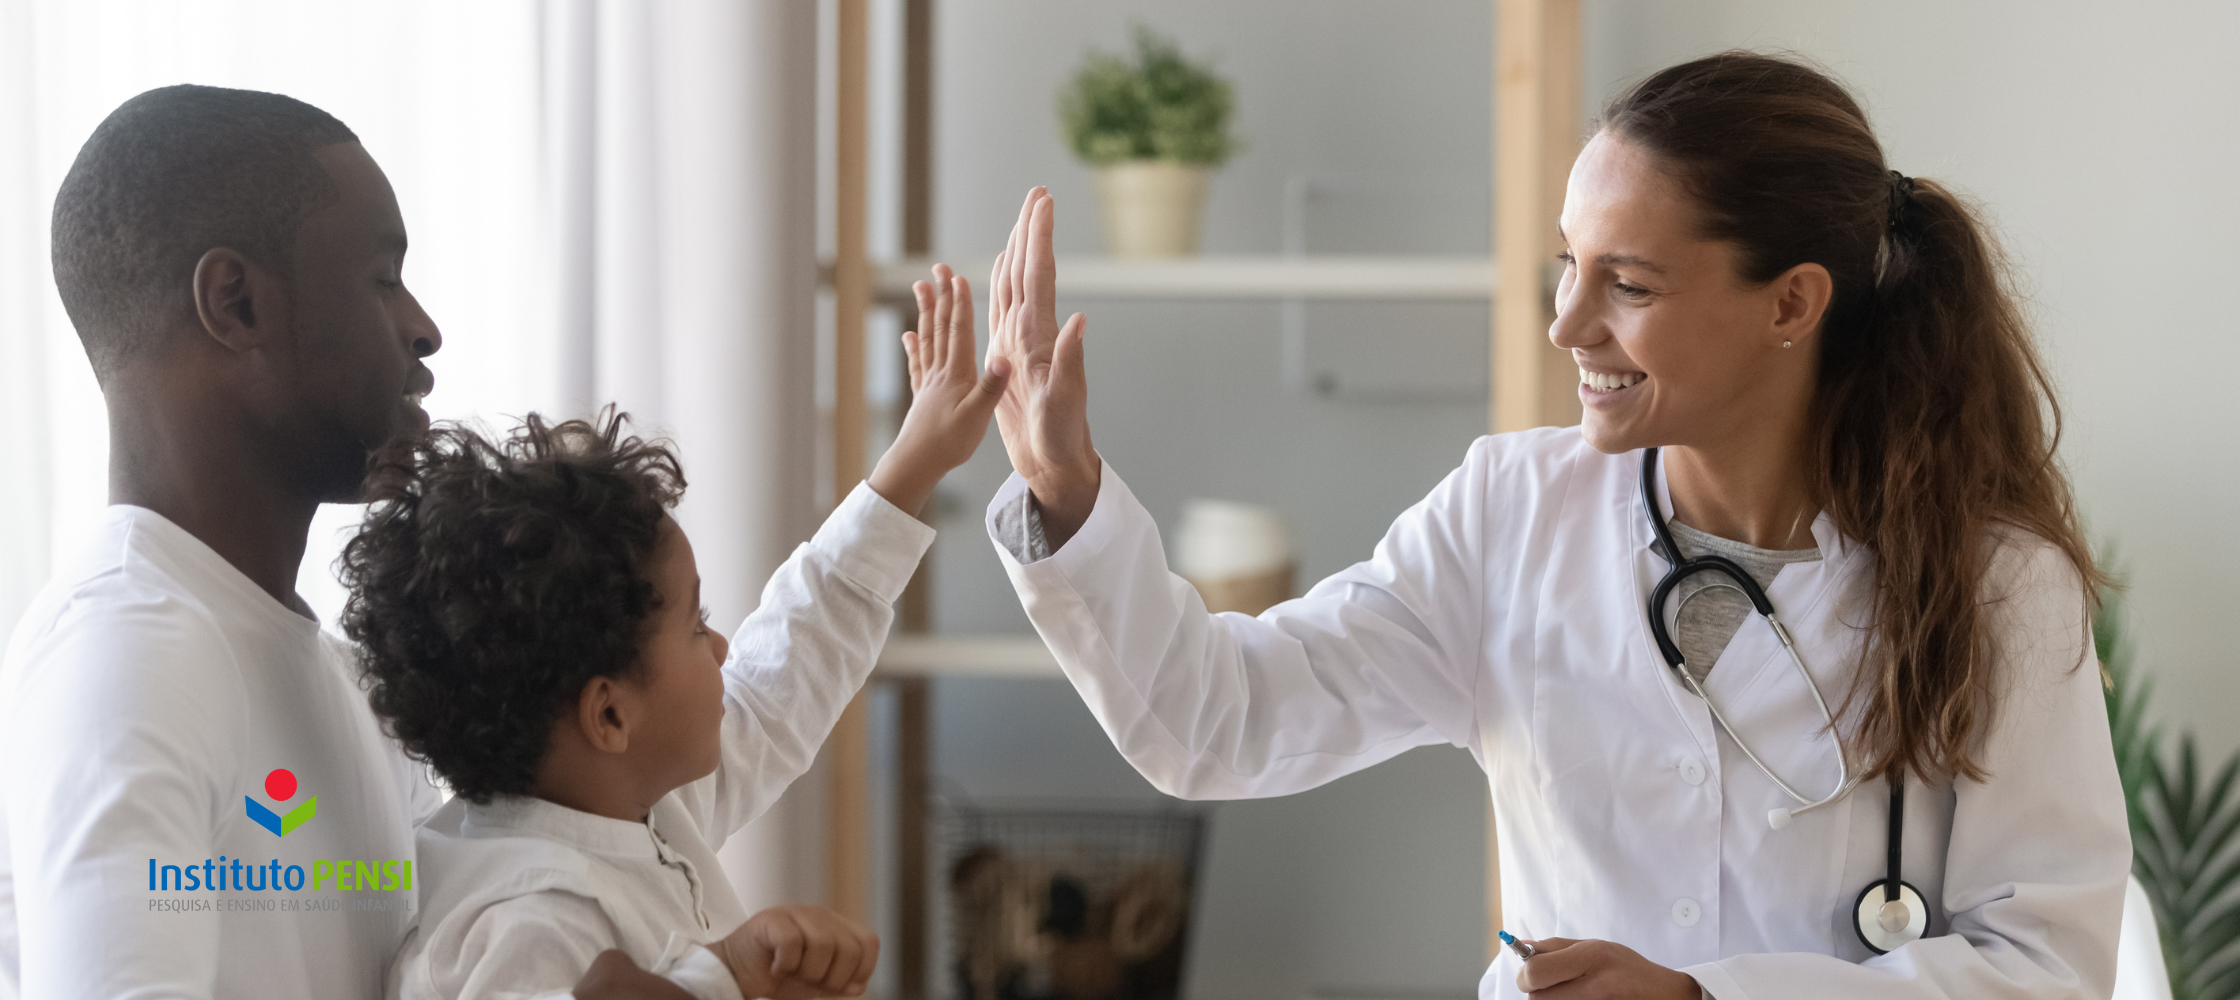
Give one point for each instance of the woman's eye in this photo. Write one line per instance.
(1567, 259)
(1629, 291)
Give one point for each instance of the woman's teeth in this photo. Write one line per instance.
(1608, 383)
(413, 398)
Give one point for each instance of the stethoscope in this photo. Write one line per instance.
(1886, 919)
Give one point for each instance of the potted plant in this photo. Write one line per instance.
(2185, 828)
(1154, 129)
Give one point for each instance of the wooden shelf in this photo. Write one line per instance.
(1226, 277)
(966, 656)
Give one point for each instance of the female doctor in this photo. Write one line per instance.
(1848, 741)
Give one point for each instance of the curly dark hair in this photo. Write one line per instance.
(492, 581)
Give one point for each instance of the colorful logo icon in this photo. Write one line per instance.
(281, 785)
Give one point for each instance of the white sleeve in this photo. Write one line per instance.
(113, 750)
(803, 653)
(1373, 661)
(2040, 851)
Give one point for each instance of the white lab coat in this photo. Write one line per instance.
(1503, 614)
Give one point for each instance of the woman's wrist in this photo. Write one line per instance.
(1063, 501)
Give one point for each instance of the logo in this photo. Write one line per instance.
(281, 785)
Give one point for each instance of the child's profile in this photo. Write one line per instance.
(530, 623)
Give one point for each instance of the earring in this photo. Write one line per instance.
(1787, 344)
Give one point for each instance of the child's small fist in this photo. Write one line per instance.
(951, 400)
(800, 953)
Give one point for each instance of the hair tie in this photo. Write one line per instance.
(1901, 195)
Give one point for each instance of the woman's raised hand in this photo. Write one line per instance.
(1044, 415)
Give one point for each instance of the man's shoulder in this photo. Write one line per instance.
(120, 634)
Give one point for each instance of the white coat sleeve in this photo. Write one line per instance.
(1373, 661)
(803, 653)
(2040, 851)
(114, 756)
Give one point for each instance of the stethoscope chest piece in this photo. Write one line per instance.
(1885, 924)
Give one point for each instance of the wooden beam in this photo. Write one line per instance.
(917, 127)
(913, 787)
(1536, 132)
(913, 711)
(848, 845)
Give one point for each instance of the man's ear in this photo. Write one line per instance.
(235, 300)
(604, 712)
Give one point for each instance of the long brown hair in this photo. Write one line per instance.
(1933, 422)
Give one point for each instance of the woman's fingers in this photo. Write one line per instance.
(1066, 358)
(1039, 271)
(1557, 961)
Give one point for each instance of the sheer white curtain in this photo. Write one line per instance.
(609, 201)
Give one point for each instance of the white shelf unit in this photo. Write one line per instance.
(1012, 656)
(1225, 276)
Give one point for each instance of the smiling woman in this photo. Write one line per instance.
(1849, 409)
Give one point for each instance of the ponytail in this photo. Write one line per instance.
(1934, 422)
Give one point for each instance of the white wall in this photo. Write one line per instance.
(2101, 138)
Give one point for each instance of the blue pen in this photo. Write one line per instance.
(1522, 949)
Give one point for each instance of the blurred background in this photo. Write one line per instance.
(674, 206)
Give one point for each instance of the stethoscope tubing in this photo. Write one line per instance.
(1878, 939)
(1682, 568)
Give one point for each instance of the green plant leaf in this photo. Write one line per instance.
(1160, 106)
(2185, 832)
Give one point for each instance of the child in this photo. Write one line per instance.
(531, 625)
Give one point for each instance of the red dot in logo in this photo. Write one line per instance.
(280, 784)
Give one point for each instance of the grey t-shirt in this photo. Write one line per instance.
(1708, 608)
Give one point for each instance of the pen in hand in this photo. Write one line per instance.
(1523, 950)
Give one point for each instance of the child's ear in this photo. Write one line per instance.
(604, 712)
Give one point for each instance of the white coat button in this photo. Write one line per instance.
(1686, 912)
(1691, 771)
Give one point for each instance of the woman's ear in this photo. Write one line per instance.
(604, 712)
(1801, 297)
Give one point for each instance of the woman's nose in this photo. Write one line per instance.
(1572, 326)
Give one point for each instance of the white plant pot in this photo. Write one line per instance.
(1152, 208)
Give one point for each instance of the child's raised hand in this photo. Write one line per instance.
(951, 401)
(799, 953)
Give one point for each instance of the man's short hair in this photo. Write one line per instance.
(165, 178)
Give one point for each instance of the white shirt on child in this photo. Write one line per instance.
(518, 896)
(146, 695)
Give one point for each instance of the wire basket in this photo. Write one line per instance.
(1068, 904)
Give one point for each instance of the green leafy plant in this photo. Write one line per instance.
(1160, 107)
(2185, 851)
